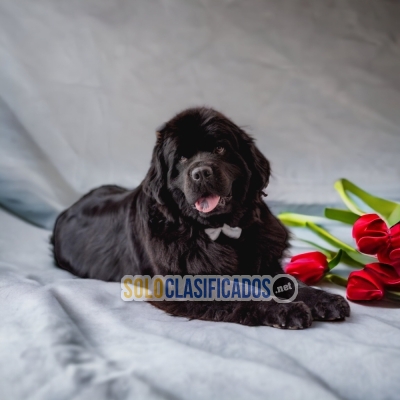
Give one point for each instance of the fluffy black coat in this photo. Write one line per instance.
(158, 228)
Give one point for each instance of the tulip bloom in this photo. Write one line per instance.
(308, 267)
(364, 285)
(387, 274)
(374, 237)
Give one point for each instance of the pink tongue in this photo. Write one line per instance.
(207, 204)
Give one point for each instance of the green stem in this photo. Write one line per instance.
(338, 280)
(299, 220)
(323, 250)
(334, 241)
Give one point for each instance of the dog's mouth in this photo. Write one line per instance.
(206, 204)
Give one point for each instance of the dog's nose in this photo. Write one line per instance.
(201, 173)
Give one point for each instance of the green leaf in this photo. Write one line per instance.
(361, 258)
(323, 250)
(346, 259)
(299, 220)
(352, 257)
(338, 280)
(334, 241)
(345, 216)
(335, 260)
(388, 210)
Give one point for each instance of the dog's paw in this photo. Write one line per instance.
(330, 307)
(289, 316)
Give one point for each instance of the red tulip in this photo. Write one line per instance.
(374, 237)
(390, 254)
(387, 274)
(308, 267)
(363, 285)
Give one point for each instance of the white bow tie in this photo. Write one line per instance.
(233, 233)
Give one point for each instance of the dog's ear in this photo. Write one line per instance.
(262, 167)
(155, 182)
(256, 162)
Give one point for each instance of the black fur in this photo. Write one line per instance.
(155, 228)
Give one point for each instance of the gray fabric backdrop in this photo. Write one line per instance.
(84, 84)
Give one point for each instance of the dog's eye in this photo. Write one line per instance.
(182, 159)
(219, 150)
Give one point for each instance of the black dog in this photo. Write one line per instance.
(205, 172)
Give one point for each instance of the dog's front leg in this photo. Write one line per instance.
(294, 315)
(324, 306)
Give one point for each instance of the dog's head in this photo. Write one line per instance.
(205, 166)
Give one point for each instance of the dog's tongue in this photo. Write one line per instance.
(207, 204)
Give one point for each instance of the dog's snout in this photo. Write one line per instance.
(199, 174)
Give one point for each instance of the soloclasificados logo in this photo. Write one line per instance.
(282, 288)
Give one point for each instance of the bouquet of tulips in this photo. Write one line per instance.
(376, 258)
